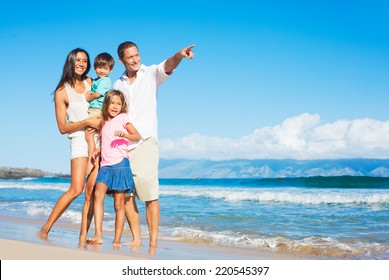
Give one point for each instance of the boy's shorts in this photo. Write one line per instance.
(94, 112)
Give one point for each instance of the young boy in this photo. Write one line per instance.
(103, 65)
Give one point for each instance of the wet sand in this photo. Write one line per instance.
(18, 242)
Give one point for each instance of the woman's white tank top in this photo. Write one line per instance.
(78, 107)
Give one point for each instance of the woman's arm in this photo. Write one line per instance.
(61, 103)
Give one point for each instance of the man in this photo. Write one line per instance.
(140, 84)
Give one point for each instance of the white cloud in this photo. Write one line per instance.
(300, 137)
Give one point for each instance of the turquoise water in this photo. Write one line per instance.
(341, 217)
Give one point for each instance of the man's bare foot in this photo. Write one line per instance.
(42, 234)
(133, 243)
(152, 251)
(116, 244)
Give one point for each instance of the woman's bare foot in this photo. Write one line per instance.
(42, 234)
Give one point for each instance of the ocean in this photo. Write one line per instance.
(326, 217)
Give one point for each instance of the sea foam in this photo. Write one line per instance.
(276, 196)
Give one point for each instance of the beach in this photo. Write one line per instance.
(317, 218)
(61, 257)
(298, 228)
(62, 244)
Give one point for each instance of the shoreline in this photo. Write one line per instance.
(18, 242)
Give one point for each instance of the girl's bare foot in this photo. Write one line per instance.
(95, 240)
(82, 238)
(82, 243)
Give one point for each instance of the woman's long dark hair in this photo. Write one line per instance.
(68, 75)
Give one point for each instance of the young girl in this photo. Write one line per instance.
(115, 173)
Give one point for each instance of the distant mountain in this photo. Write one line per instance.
(272, 168)
(182, 168)
(15, 173)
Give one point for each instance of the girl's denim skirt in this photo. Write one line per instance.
(117, 177)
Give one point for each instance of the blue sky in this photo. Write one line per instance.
(271, 79)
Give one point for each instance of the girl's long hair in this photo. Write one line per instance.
(68, 74)
(107, 102)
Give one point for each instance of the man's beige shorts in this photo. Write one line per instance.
(144, 161)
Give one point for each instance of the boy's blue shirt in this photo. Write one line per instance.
(100, 85)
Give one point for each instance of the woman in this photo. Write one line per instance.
(72, 118)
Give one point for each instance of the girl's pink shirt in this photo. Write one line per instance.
(114, 149)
